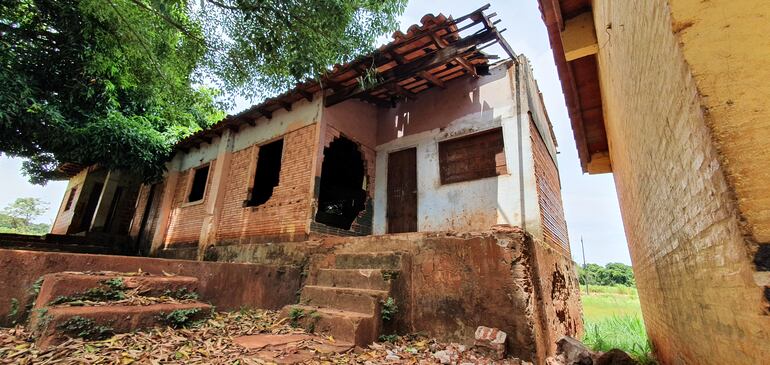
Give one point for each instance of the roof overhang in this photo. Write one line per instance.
(572, 35)
(429, 55)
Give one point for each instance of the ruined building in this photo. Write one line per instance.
(424, 163)
(670, 96)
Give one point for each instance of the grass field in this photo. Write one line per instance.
(613, 319)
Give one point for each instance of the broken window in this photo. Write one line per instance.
(342, 192)
(70, 198)
(198, 187)
(268, 172)
(472, 157)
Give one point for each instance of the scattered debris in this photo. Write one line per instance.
(245, 337)
(570, 351)
(491, 340)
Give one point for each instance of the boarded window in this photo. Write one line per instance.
(198, 184)
(70, 198)
(472, 157)
(268, 172)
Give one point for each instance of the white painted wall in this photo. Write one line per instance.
(478, 204)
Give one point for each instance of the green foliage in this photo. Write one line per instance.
(85, 328)
(114, 283)
(14, 308)
(181, 317)
(117, 82)
(388, 338)
(295, 315)
(181, 293)
(17, 217)
(625, 332)
(389, 275)
(113, 291)
(610, 274)
(389, 309)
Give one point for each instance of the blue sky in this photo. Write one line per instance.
(591, 204)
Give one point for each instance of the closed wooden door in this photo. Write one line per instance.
(402, 191)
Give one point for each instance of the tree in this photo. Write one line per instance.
(610, 274)
(117, 82)
(17, 217)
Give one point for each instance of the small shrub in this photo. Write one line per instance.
(389, 309)
(295, 314)
(388, 338)
(114, 283)
(180, 318)
(14, 308)
(85, 328)
(35, 288)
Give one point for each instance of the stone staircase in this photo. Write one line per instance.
(347, 301)
(92, 306)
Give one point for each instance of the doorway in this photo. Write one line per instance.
(402, 191)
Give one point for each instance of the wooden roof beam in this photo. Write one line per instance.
(432, 79)
(442, 56)
(401, 91)
(306, 94)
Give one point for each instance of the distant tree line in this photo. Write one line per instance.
(18, 217)
(611, 274)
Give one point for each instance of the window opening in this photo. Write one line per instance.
(472, 157)
(268, 172)
(342, 193)
(198, 184)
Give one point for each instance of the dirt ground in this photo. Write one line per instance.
(220, 340)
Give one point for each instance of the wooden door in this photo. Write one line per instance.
(402, 191)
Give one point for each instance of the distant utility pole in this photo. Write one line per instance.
(585, 271)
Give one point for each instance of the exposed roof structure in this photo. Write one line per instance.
(580, 82)
(427, 56)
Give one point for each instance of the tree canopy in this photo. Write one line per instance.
(18, 217)
(611, 274)
(118, 82)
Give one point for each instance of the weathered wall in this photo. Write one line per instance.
(64, 217)
(691, 260)
(286, 214)
(259, 286)
(186, 217)
(457, 282)
(466, 106)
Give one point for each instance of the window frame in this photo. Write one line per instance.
(441, 146)
(191, 180)
(255, 165)
(71, 198)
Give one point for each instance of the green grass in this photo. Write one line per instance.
(613, 319)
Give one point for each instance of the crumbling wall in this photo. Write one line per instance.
(459, 281)
(691, 259)
(64, 217)
(256, 286)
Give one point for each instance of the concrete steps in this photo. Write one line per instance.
(346, 301)
(97, 305)
(353, 278)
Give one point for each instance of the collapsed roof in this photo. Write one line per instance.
(427, 56)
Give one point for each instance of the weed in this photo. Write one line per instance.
(35, 288)
(114, 283)
(85, 328)
(388, 338)
(114, 291)
(625, 332)
(295, 314)
(389, 275)
(14, 308)
(181, 293)
(389, 309)
(180, 318)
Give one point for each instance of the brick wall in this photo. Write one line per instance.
(186, 218)
(362, 225)
(548, 193)
(286, 214)
(699, 300)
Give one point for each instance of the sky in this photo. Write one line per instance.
(590, 201)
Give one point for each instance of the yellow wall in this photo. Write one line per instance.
(693, 267)
(727, 45)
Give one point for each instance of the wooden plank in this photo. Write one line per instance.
(402, 191)
(442, 56)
